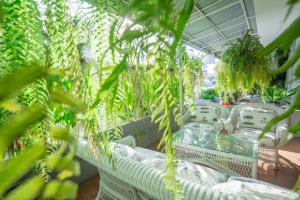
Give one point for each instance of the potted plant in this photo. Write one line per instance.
(278, 96)
(241, 66)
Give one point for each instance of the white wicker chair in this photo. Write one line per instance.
(248, 121)
(205, 116)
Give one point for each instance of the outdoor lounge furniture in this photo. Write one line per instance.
(205, 116)
(226, 153)
(137, 175)
(248, 121)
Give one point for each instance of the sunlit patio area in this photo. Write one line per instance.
(150, 99)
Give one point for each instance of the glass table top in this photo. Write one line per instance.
(218, 142)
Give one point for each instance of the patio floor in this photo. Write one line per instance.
(286, 176)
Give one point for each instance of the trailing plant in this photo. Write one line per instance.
(157, 20)
(27, 132)
(191, 75)
(241, 66)
(22, 42)
(60, 161)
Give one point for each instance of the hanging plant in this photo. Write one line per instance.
(241, 67)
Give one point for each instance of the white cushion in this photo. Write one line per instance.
(191, 172)
(269, 139)
(250, 189)
(206, 114)
(256, 117)
(148, 154)
(125, 151)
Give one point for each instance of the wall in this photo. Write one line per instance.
(270, 16)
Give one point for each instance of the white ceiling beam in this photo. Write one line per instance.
(245, 14)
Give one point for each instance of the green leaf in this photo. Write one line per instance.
(60, 190)
(111, 79)
(12, 170)
(64, 163)
(2, 12)
(18, 124)
(183, 18)
(59, 95)
(289, 63)
(28, 190)
(297, 186)
(60, 133)
(11, 84)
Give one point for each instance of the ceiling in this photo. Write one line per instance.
(215, 23)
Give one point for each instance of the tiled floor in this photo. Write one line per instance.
(286, 176)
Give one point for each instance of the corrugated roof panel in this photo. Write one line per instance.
(208, 38)
(198, 27)
(220, 21)
(235, 29)
(215, 41)
(232, 22)
(227, 14)
(218, 5)
(205, 3)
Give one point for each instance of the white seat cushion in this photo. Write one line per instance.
(125, 151)
(251, 189)
(148, 154)
(269, 139)
(191, 172)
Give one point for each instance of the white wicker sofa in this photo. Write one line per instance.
(248, 121)
(205, 116)
(138, 178)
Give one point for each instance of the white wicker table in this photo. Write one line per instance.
(226, 153)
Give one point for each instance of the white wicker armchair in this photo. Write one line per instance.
(205, 116)
(248, 121)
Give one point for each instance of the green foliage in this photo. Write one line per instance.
(209, 94)
(157, 20)
(115, 85)
(241, 67)
(13, 169)
(277, 95)
(191, 76)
